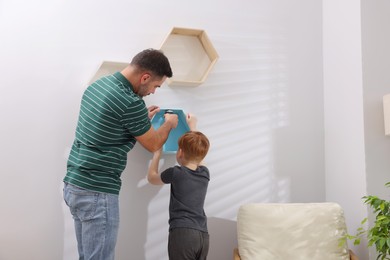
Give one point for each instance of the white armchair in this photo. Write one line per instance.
(291, 231)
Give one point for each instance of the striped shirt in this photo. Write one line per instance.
(111, 115)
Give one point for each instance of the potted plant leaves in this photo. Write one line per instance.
(378, 234)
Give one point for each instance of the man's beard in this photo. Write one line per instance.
(142, 90)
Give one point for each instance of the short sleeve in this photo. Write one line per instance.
(167, 175)
(136, 119)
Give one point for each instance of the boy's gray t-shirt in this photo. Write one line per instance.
(188, 193)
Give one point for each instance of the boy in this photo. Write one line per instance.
(188, 235)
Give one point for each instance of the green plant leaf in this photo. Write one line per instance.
(378, 233)
(342, 242)
(382, 242)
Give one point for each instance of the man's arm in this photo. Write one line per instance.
(153, 176)
(153, 139)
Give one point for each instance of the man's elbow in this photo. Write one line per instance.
(151, 140)
(153, 147)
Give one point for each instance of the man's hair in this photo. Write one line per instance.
(153, 61)
(195, 145)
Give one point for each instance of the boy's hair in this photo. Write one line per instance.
(154, 61)
(195, 145)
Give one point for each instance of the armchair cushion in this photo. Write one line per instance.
(272, 231)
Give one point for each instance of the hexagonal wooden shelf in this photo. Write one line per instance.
(107, 68)
(191, 54)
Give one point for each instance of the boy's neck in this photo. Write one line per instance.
(191, 165)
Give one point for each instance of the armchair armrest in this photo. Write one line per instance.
(236, 256)
(352, 255)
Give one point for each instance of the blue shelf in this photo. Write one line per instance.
(171, 146)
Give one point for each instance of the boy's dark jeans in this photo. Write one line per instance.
(188, 244)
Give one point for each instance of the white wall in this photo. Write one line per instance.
(262, 107)
(344, 127)
(356, 58)
(376, 83)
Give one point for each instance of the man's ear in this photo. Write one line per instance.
(145, 77)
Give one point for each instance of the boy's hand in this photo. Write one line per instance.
(152, 110)
(191, 121)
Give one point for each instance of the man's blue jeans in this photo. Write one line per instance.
(96, 219)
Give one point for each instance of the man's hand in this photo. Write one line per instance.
(154, 139)
(191, 121)
(172, 119)
(152, 110)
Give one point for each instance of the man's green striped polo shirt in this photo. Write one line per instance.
(111, 114)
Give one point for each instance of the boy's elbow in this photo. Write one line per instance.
(155, 180)
(151, 180)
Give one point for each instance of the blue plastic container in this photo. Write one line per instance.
(171, 146)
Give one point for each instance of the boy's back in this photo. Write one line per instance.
(188, 193)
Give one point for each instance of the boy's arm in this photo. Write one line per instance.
(153, 174)
(192, 122)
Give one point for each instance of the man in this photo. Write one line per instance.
(113, 117)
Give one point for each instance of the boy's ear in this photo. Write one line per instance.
(180, 153)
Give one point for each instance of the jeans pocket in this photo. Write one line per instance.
(82, 203)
